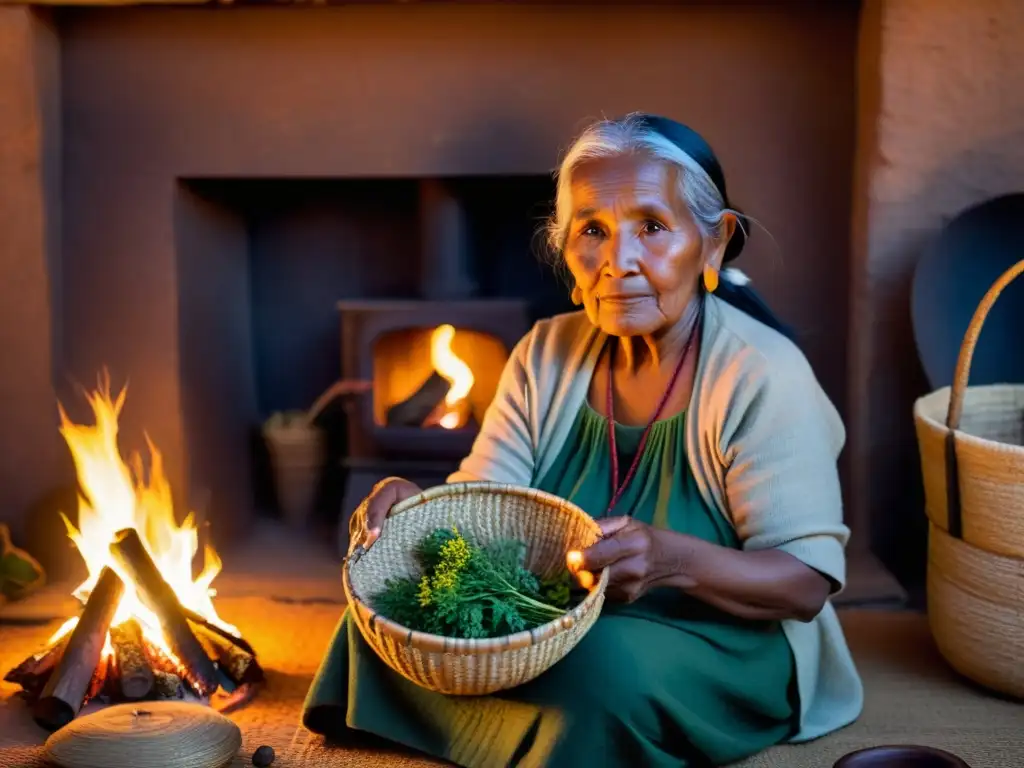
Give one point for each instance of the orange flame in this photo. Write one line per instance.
(455, 371)
(116, 496)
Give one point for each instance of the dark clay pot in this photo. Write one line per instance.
(900, 757)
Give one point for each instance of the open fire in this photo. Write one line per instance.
(453, 411)
(442, 400)
(148, 628)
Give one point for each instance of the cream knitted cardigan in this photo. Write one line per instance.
(762, 441)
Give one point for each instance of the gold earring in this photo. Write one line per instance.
(710, 278)
(576, 295)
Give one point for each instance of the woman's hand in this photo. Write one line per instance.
(368, 519)
(758, 585)
(629, 550)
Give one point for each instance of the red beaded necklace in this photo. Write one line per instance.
(619, 489)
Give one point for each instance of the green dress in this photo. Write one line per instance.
(665, 681)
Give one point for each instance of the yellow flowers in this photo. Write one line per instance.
(424, 593)
(455, 552)
(455, 555)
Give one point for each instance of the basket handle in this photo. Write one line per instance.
(963, 362)
(959, 390)
(341, 388)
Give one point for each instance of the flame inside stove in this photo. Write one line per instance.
(455, 371)
(115, 496)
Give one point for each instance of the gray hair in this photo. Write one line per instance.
(629, 135)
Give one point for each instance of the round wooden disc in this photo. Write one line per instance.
(158, 734)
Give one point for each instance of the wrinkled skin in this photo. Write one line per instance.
(631, 552)
(633, 248)
(368, 520)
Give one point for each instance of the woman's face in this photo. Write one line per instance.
(633, 247)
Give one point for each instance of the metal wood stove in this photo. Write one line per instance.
(413, 355)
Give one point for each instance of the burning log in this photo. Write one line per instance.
(167, 685)
(160, 661)
(133, 670)
(34, 671)
(167, 682)
(443, 412)
(416, 408)
(111, 685)
(99, 679)
(131, 554)
(70, 683)
(195, 618)
(236, 663)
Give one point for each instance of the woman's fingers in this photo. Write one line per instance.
(608, 550)
(604, 553)
(382, 498)
(611, 525)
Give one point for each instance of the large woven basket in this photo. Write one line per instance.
(971, 441)
(483, 512)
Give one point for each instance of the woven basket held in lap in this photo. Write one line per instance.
(972, 456)
(483, 512)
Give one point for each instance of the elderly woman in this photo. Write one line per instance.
(675, 410)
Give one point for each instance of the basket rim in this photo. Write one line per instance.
(926, 406)
(947, 391)
(431, 643)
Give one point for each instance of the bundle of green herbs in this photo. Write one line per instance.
(469, 591)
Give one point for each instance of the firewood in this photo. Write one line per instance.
(238, 665)
(160, 661)
(239, 698)
(156, 593)
(198, 620)
(65, 691)
(463, 410)
(415, 409)
(167, 680)
(112, 685)
(99, 678)
(167, 685)
(34, 671)
(136, 677)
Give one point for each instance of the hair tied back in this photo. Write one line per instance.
(734, 276)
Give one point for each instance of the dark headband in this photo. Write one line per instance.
(694, 145)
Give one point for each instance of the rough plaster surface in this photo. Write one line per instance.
(942, 128)
(31, 457)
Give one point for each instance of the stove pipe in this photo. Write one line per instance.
(446, 272)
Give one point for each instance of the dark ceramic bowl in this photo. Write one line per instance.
(900, 757)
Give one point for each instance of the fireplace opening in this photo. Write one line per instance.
(442, 377)
(287, 286)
